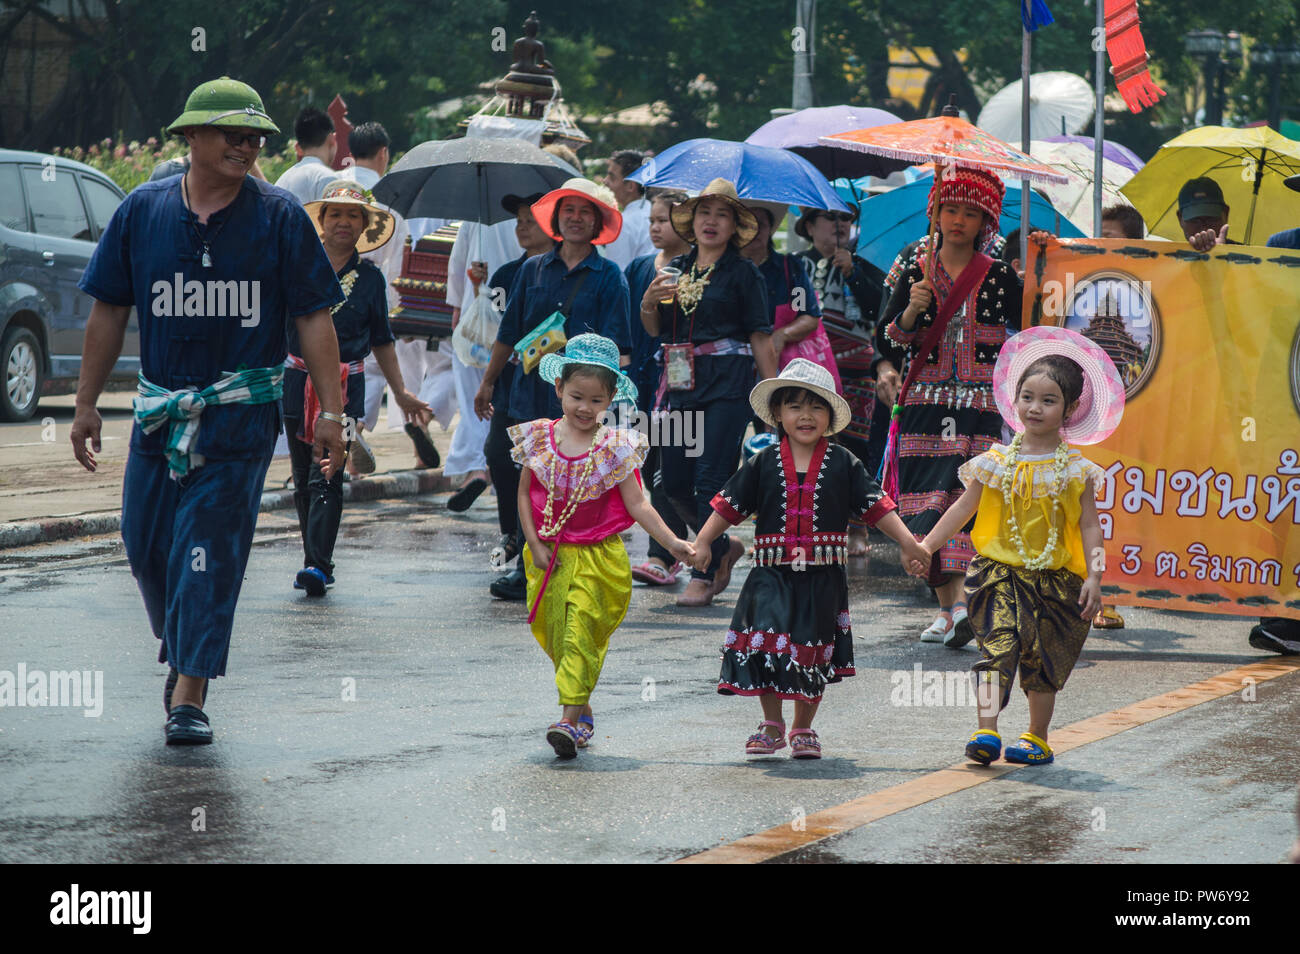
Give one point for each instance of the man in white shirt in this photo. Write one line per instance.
(369, 145)
(315, 148)
(634, 240)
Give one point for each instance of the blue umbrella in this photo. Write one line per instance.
(759, 172)
(891, 220)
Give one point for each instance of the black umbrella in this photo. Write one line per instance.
(467, 178)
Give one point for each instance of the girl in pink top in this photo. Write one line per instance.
(579, 489)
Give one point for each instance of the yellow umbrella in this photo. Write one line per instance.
(1248, 164)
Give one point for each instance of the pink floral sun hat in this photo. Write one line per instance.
(1101, 405)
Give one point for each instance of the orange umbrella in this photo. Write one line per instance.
(946, 141)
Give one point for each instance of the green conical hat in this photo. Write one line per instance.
(224, 102)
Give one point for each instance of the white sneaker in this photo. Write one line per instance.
(937, 631)
(362, 456)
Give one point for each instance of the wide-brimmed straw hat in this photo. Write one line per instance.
(379, 225)
(801, 373)
(611, 219)
(588, 349)
(224, 102)
(683, 215)
(1101, 405)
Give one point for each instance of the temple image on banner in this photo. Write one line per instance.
(1122, 321)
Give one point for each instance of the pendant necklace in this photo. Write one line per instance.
(205, 245)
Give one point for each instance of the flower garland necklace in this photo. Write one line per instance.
(551, 527)
(1062, 464)
(690, 288)
(346, 283)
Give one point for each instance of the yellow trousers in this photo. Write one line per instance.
(586, 599)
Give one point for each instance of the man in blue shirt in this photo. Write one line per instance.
(215, 262)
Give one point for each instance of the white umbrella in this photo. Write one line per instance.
(1074, 200)
(1054, 97)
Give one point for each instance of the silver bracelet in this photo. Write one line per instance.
(339, 419)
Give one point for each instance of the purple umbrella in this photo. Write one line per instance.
(799, 132)
(1109, 150)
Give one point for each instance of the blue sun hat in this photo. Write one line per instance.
(589, 349)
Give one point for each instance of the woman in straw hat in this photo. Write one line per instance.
(348, 224)
(946, 329)
(716, 327)
(790, 633)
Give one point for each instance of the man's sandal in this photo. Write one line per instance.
(804, 744)
(507, 548)
(1030, 750)
(564, 737)
(760, 743)
(985, 746)
(589, 732)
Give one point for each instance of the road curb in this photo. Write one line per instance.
(404, 483)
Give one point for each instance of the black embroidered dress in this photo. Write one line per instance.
(790, 634)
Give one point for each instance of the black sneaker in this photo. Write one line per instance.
(513, 586)
(1277, 635)
(188, 726)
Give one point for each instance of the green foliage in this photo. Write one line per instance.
(720, 65)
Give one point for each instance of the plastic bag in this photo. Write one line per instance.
(476, 332)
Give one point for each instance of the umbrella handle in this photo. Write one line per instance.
(931, 251)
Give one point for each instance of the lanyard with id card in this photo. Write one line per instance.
(679, 359)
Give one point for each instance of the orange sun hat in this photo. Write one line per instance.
(599, 196)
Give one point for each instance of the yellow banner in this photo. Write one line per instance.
(1202, 493)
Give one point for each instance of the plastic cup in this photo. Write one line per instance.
(672, 273)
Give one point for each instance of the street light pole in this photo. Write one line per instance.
(805, 21)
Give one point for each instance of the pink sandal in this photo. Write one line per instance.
(653, 574)
(760, 743)
(804, 744)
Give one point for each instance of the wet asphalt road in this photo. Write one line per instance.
(438, 754)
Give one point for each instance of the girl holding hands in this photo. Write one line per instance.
(1035, 584)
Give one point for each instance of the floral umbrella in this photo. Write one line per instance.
(946, 141)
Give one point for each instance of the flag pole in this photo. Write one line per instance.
(1099, 121)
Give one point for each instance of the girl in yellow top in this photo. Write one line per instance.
(1036, 584)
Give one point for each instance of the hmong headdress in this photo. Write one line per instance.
(976, 188)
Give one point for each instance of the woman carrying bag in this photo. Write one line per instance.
(716, 326)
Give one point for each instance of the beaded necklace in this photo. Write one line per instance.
(690, 288)
(551, 527)
(1040, 561)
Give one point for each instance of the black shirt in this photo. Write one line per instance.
(734, 305)
(360, 324)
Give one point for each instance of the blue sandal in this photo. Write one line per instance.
(565, 738)
(589, 732)
(985, 746)
(1030, 750)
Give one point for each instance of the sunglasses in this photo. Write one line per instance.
(838, 216)
(256, 140)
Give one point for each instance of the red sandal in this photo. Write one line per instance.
(804, 744)
(760, 743)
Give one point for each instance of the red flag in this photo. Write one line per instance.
(1128, 55)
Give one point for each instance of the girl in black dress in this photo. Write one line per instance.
(790, 633)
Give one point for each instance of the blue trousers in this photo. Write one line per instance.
(188, 542)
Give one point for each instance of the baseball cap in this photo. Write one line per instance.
(1200, 198)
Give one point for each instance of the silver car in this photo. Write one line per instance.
(52, 212)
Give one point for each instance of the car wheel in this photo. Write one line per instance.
(21, 363)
